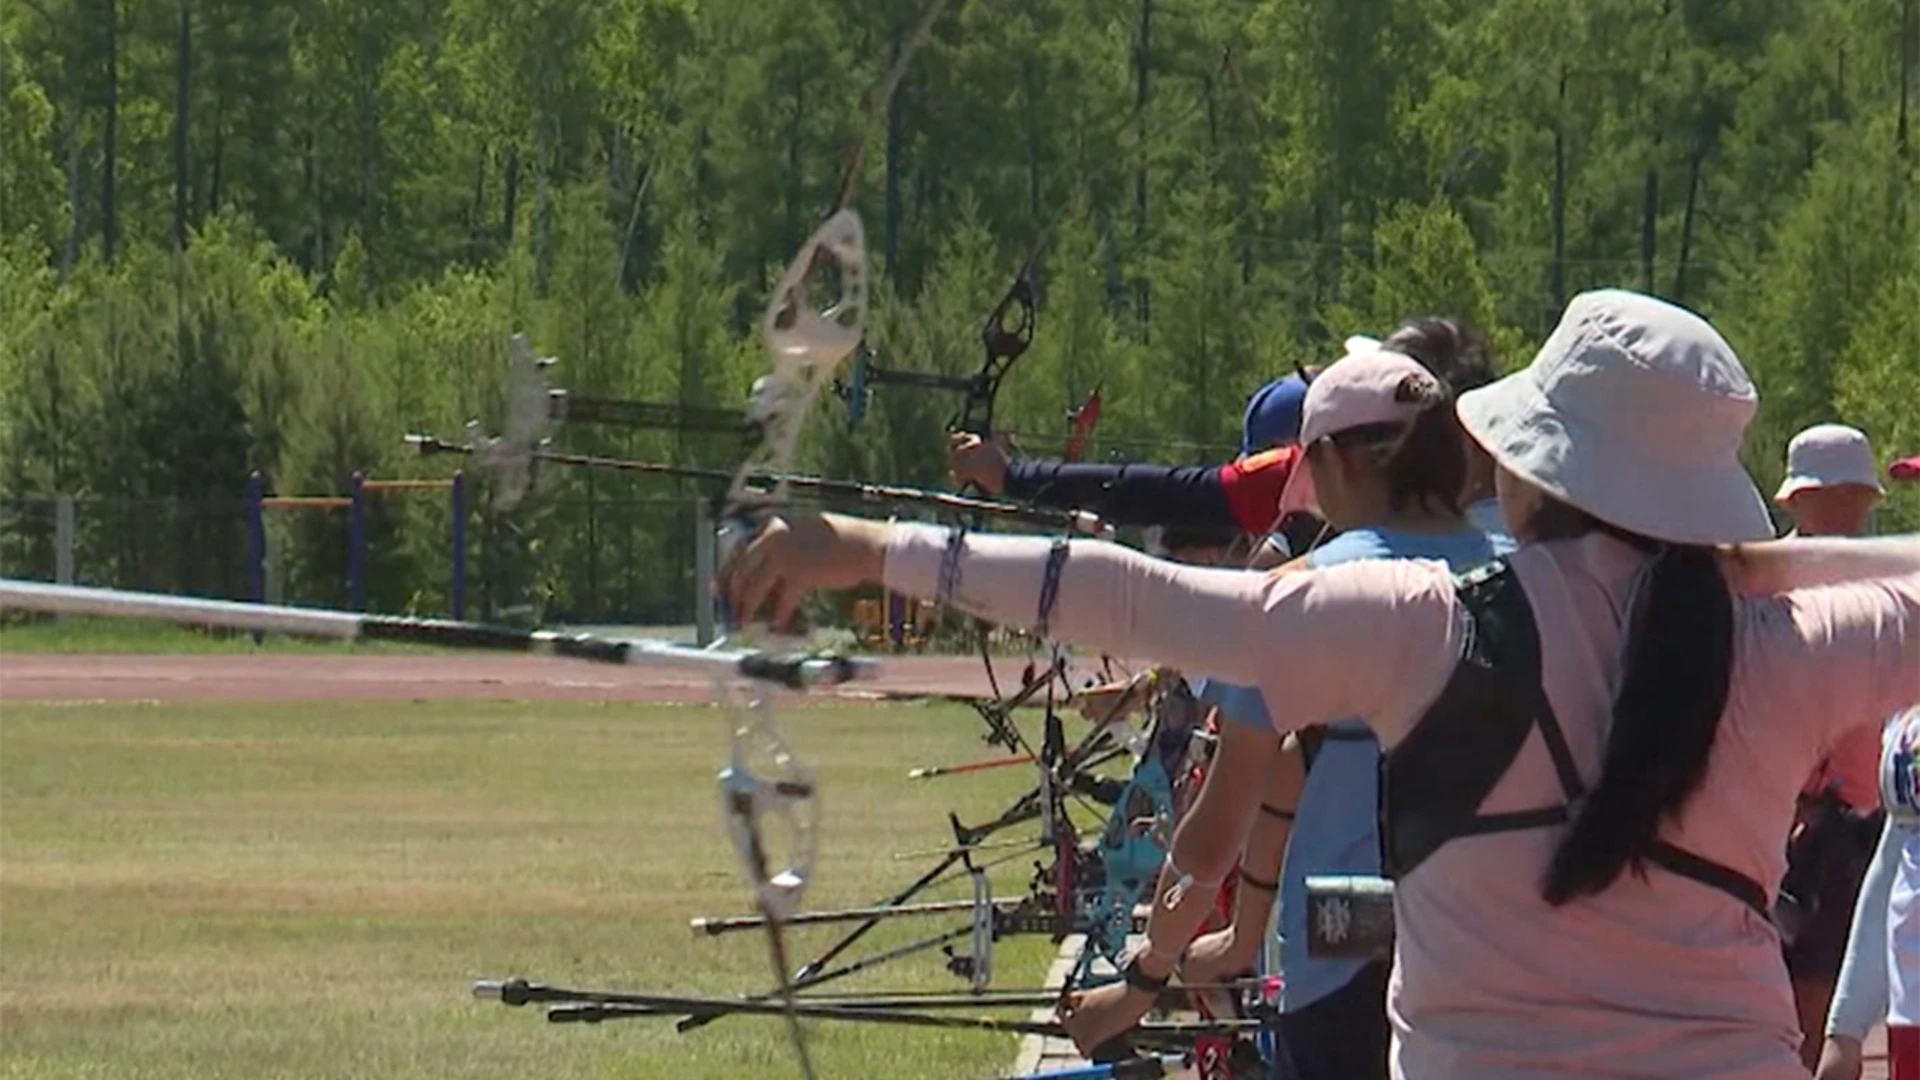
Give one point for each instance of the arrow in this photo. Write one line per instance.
(1069, 520)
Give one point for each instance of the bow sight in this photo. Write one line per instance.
(535, 407)
(1005, 337)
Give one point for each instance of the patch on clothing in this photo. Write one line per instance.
(1900, 768)
(1349, 916)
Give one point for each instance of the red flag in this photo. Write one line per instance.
(1082, 420)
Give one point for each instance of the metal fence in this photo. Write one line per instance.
(194, 547)
(569, 560)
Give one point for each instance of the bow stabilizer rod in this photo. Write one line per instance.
(797, 671)
(715, 926)
(593, 1006)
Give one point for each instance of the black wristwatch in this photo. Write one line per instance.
(1140, 980)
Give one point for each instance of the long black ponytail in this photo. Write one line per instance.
(1673, 689)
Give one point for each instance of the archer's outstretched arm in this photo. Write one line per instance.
(1374, 639)
(1241, 496)
(1126, 494)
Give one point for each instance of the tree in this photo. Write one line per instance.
(1424, 261)
(1877, 382)
(1203, 346)
(31, 204)
(1830, 259)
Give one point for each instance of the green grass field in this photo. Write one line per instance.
(107, 636)
(255, 891)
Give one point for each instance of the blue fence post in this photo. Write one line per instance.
(357, 543)
(256, 542)
(459, 544)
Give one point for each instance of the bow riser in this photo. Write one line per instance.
(808, 342)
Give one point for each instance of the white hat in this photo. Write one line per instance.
(1828, 455)
(1634, 411)
(1359, 390)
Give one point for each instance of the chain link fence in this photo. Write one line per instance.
(576, 559)
(185, 546)
(621, 561)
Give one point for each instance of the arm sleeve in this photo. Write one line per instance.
(1853, 768)
(1821, 661)
(1860, 997)
(1780, 565)
(1188, 495)
(1374, 639)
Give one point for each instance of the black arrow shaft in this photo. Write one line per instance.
(592, 1013)
(882, 493)
(816, 973)
(728, 923)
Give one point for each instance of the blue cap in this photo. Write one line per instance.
(1273, 415)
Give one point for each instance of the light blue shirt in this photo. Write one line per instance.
(1486, 516)
(1239, 704)
(1335, 830)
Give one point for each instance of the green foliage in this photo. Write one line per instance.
(1878, 382)
(32, 206)
(1851, 233)
(1203, 323)
(373, 196)
(1423, 261)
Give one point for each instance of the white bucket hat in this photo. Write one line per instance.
(1633, 411)
(1828, 455)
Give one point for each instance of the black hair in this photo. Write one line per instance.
(1450, 348)
(1186, 537)
(1424, 459)
(1675, 677)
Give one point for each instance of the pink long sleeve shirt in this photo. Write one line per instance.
(1853, 769)
(1656, 977)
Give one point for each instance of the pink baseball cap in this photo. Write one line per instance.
(1905, 469)
(1360, 390)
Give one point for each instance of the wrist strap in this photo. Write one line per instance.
(1050, 586)
(1250, 881)
(1140, 980)
(950, 566)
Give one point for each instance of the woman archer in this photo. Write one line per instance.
(1591, 749)
(1384, 454)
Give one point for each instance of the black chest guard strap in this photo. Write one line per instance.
(1433, 782)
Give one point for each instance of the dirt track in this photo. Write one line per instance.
(71, 677)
